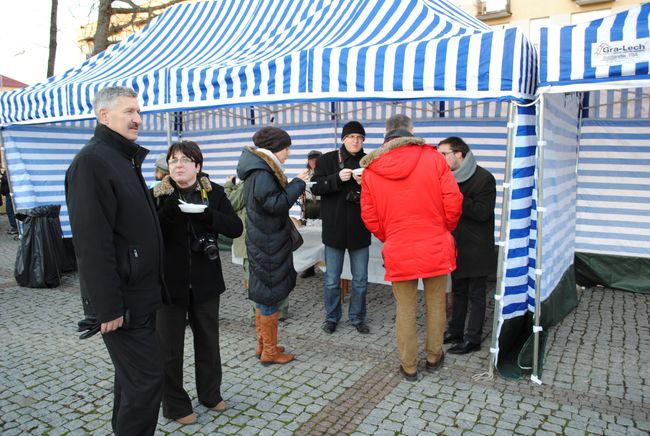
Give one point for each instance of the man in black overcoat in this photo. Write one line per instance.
(474, 243)
(118, 244)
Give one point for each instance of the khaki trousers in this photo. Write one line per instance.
(405, 293)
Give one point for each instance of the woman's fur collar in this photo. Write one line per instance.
(388, 146)
(165, 187)
(277, 171)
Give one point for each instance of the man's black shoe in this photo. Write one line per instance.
(449, 339)
(329, 327)
(433, 367)
(464, 348)
(407, 376)
(307, 273)
(362, 328)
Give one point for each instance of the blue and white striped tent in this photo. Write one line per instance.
(242, 52)
(613, 54)
(608, 53)
(225, 53)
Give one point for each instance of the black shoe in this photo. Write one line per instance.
(12, 231)
(449, 339)
(329, 327)
(433, 367)
(464, 348)
(362, 328)
(309, 272)
(407, 376)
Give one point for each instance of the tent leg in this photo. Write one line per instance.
(168, 120)
(499, 292)
(538, 246)
(4, 165)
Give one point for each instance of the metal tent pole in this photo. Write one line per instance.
(503, 239)
(537, 328)
(168, 120)
(5, 165)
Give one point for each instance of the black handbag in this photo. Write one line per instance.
(296, 237)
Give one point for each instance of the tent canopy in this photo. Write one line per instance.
(242, 52)
(608, 53)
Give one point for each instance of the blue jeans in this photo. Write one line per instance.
(333, 267)
(266, 310)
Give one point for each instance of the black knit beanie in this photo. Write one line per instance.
(351, 128)
(273, 139)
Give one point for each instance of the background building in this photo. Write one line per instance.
(7, 83)
(529, 16)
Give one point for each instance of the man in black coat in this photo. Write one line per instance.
(343, 228)
(475, 245)
(118, 244)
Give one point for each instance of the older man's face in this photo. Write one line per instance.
(123, 117)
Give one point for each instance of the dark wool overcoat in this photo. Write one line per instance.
(268, 199)
(475, 232)
(115, 231)
(188, 272)
(342, 224)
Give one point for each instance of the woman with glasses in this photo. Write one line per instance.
(193, 277)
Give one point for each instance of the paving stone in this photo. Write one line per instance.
(344, 384)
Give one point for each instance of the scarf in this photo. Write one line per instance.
(270, 154)
(466, 169)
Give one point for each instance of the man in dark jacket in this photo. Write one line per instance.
(343, 229)
(118, 245)
(475, 244)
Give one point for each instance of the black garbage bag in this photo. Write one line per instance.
(41, 254)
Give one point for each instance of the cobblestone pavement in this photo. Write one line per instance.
(596, 375)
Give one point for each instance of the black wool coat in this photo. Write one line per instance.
(115, 231)
(474, 234)
(188, 272)
(342, 224)
(268, 196)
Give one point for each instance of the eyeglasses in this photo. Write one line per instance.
(183, 160)
(445, 153)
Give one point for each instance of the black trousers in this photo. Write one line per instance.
(170, 327)
(138, 377)
(468, 292)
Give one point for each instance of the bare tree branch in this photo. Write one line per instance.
(51, 59)
(110, 25)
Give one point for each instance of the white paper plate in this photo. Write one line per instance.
(192, 208)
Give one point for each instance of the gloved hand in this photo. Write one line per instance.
(89, 325)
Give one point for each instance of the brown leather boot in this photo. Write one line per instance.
(270, 351)
(258, 331)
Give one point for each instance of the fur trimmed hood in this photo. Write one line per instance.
(247, 164)
(166, 186)
(388, 146)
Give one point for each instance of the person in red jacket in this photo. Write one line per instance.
(411, 202)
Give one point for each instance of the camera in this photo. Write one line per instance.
(206, 244)
(353, 197)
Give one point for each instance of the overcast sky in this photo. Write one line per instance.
(24, 37)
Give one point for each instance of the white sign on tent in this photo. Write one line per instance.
(608, 53)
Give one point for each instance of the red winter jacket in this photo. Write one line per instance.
(411, 201)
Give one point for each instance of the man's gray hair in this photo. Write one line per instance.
(105, 98)
(399, 121)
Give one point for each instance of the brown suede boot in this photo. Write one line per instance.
(258, 331)
(270, 350)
